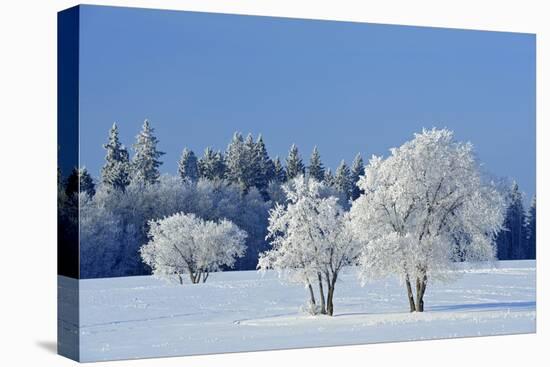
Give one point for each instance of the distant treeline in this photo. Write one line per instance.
(240, 184)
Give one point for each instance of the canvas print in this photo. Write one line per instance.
(233, 183)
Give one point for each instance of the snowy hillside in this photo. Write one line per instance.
(141, 316)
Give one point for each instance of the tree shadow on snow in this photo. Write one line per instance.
(485, 306)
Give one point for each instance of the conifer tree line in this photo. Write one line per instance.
(246, 163)
(517, 239)
(241, 184)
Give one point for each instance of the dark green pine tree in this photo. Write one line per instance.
(279, 173)
(294, 165)
(188, 166)
(342, 181)
(146, 163)
(115, 173)
(357, 170)
(316, 169)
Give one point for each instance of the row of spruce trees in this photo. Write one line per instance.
(247, 164)
(518, 238)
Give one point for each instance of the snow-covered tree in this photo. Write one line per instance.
(342, 180)
(511, 239)
(86, 183)
(316, 169)
(146, 163)
(188, 166)
(186, 244)
(294, 165)
(236, 159)
(279, 173)
(531, 230)
(212, 165)
(115, 173)
(328, 178)
(357, 170)
(263, 165)
(311, 240)
(425, 207)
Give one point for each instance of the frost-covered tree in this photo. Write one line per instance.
(316, 169)
(186, 244)
(425, 208)
(115, 173)
(342, 180)
(311, 240)
(511, 239)
(357, 170)
(264, 166)
(212, 165)
(86, 182)
(248, 163)
(531, 230)
(133, 208)
(328, 178)
(294, 165)
(146, 163)
(188, 166)
(236, 159)
(279, 173)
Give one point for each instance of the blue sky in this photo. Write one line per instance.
(345, 87)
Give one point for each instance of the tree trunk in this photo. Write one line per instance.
(180, 278)
(330, 295)
(321, 294)
(420, 289)
(205, 276)
(410, 294)
(311, 294)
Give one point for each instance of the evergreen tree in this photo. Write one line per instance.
(212, 165)
(316, 169)
(252, 170)
(71, 186)
(188, 167)
(115, 173)
(342, 180)
(86, 182)
(146, 163)
(294, 165)
(357, 170)
(236, 161)
(265, 165)
(511, 240)
(531, 230)
(328, 178)
(279, 173)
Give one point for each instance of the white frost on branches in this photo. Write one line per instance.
(186, 244)
(311, 239)
(424, 209)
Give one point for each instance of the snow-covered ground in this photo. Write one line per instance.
(139, 317)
